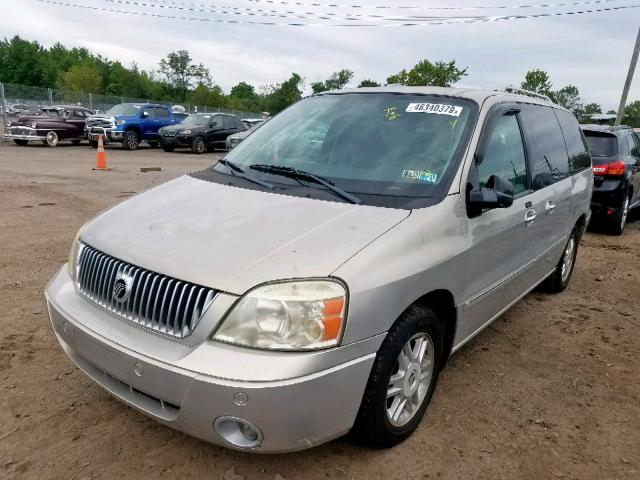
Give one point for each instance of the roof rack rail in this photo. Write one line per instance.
(528, 93)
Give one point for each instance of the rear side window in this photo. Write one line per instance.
(579, 156)
(602, 144)
(161, 112)
(547, 151)
(504, 155)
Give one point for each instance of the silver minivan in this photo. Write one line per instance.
(315, 280)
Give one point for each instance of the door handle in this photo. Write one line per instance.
(530, 216)
(550, 207)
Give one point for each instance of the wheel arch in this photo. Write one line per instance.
(134, 128)
(581, 223)
(442, 302)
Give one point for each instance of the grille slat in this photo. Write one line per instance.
(161, 303)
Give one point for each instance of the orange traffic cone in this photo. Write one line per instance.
(101, 159)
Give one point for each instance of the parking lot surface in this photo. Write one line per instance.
(550, 390)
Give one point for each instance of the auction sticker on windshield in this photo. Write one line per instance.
(437, 108)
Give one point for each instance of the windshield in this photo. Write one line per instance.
(403, 145)
(124, 109)
(197, 120)
(602, 144)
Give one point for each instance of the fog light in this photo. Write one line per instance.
(238, 432)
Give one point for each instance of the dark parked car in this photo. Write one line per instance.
(200, 132)
(50, 125)
(616, 173)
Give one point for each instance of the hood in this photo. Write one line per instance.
(193, 128)
(232, 239)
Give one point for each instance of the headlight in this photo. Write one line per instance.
(74, 254)
(120, 122)
(296, 315)
(185, 132)
(34, 125)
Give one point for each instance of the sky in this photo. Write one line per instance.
(591, 51)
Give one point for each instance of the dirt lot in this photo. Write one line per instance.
(551, 390)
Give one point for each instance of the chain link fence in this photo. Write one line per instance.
(16, 100)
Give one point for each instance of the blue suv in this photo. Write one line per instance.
(130, 124)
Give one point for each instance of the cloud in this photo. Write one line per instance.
(590, 51)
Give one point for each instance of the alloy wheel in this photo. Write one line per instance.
(409, 383)
(567, 259)
(199, 145)
(624, 213)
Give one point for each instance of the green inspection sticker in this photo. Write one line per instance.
(421, 175)
(391, 113)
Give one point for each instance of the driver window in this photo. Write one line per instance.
(504, 155)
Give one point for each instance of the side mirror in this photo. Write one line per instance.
(144, 114)
(635, 151)
(497, 194)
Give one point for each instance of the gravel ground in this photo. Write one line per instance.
(550, 390)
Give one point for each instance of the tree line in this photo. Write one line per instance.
(179, 79)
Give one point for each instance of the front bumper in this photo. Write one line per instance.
(188, 389)
(175, 141)
(108, 134)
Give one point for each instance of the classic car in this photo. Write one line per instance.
(50, 125)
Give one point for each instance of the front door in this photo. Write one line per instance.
(503, 244)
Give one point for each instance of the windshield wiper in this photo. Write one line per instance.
(302, 175)
(239, 172)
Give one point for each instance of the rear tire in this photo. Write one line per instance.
(20, 142)
(130, 140)
(619, 221)
(559, 279)
(383, 420)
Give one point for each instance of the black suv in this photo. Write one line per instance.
(200, 132)
(616, 173)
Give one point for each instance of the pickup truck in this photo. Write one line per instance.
(130, 124)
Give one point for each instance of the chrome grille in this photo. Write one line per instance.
(169, 133)
(101, 122)
(21, 131)
(161, 303)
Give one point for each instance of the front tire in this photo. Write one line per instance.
(402, 380)
(130, 141)
(20, 142)
(51, 139)
(198, 145)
